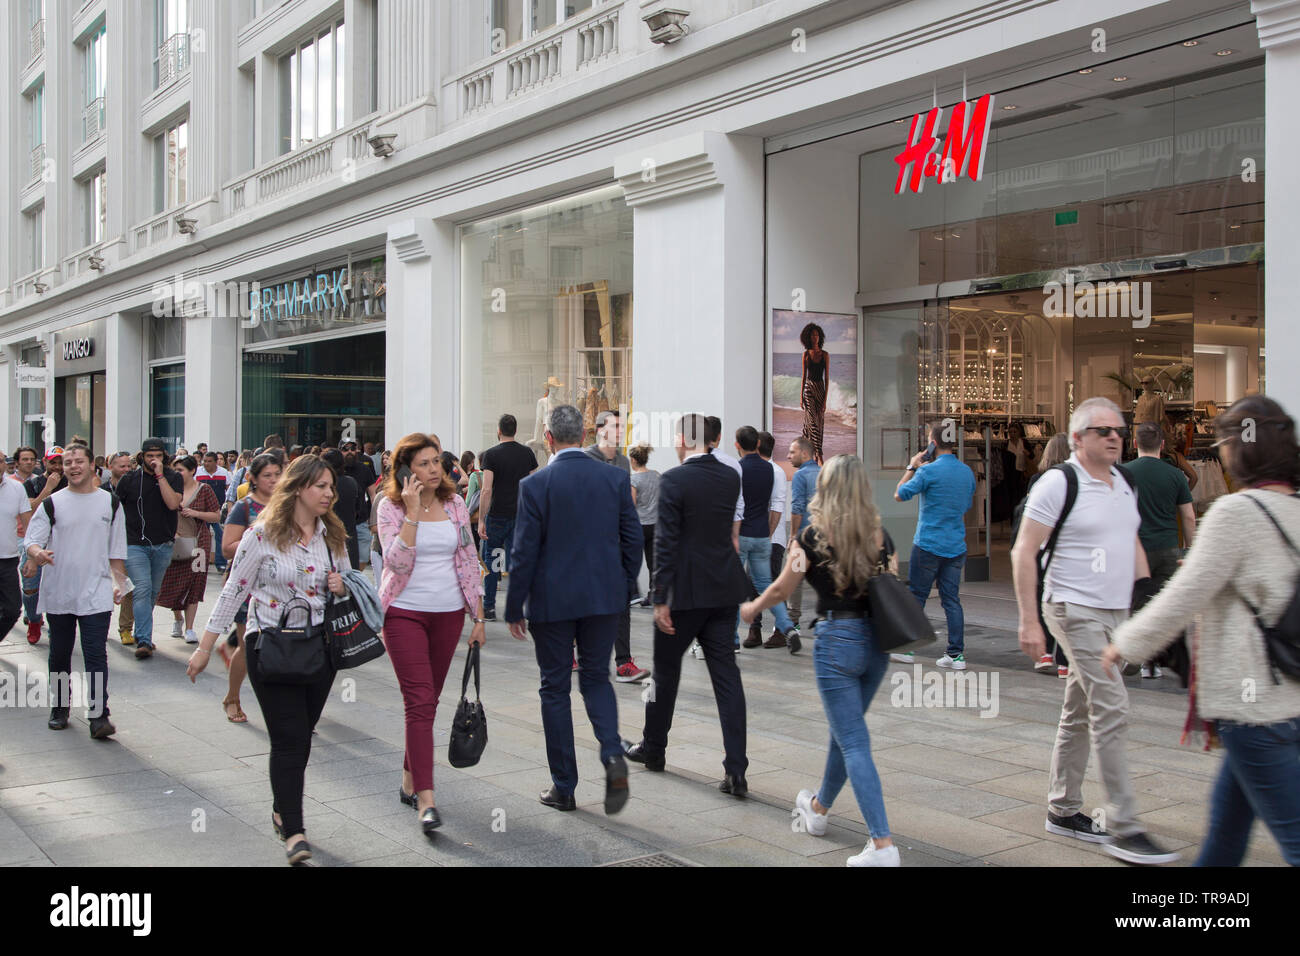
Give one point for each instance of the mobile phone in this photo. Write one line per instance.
(930, 452)
(402, 474)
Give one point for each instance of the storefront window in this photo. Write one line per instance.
(311, 392)
(546, 315)
(336, 298)
(167, 402)
(32, 401)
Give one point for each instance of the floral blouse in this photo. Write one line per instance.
(270, 578)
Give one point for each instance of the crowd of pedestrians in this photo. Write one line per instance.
(1112, 574)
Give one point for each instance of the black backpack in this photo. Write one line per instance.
(1282, 640)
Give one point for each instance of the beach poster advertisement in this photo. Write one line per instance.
(814, 382)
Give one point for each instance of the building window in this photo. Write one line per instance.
(96, 71)
(170, 167)
(167, 403)
(35, 225)
(573, 326)
(96, 207)
(516, 20)
(36, 112)
(311, 88)
(32, 402)
(172, 40)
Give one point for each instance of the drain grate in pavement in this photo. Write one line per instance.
(654, 859)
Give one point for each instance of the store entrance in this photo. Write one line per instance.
(1008, 367)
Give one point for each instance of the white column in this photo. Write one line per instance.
(1278, 22)
(211, 352)
(10, 403)
(423, 358)
(698, 339)
(127, 393)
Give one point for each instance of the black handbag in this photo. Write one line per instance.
(352, 642)
(469, 726)
(292, 655)
(898, 622)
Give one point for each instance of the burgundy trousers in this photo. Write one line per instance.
(421, 645)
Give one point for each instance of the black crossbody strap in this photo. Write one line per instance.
(471, 663)
(1260, 505)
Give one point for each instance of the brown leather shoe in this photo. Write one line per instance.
(776, 640)
(754, 638)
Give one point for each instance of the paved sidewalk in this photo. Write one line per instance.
(181, 785)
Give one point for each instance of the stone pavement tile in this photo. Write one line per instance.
(665, 828)
(497, 760)
(257, 814)
(596, 849)
(746, 851)
(707, 761)
(944, 763)
(323, 753)
(338, 840)
(331, 790)
(1175, 786)
(16, 847)
(1187, 823)
(781, 786)
(1194, 763)
(676, 791)
(1036, 755)
(801, 758)
(237, 794)
(207, 780)
(952, 831)
(774, 825)
(86, 786)
(1051, 853)
(227, 842)
(971, 801)
(355, 767)
(193, 758)
(530, 783)
(1031, 787)
(404, 859)
(149, 803)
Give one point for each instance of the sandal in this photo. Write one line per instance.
(239, 717)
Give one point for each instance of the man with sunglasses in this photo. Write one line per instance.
(1093, 514)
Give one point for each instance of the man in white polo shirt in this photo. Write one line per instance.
(1086, 595)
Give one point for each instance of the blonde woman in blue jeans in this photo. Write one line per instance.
(838, 551)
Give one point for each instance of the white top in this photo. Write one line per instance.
(722, 456)
(780, 502)
(1096, 552)
(433, 585)
(80, 580)
(13, 502)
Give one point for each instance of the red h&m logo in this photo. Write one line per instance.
(963, 148)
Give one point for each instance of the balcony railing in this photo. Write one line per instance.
(38, 160)
(36, 43)
(173, 58)
(331, 156)
(533, 67)
(598, 38)
(78, 264)
(92, 119)
(477, 91)
(153, 231)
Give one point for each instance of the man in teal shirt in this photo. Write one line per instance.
(946, 486)
(803, 486)
(1164, 498)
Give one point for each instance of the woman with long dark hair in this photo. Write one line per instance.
(814, 385)
(1239, 576)
(293, 554)
(429, 583)
(839, 551)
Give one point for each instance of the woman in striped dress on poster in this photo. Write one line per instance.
(816, 382)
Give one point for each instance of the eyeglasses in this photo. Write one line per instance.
(1104, 431)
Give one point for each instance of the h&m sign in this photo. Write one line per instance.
(78, 349)
(963, 147)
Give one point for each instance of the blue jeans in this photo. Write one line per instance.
(496, 556)
(31, 594)
(145, 566)
(849, 669)
(756, 557)
(1260, 777)
(219, 560)
(923, 570)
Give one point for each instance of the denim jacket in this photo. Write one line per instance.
(399, 558)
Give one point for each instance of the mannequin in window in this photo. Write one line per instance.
(551, 397)
(1150, 405)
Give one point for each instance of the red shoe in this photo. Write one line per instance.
(575, 662)
(33, 632)
(629, 673)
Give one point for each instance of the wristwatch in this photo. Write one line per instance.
(478, 620)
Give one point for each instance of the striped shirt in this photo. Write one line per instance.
(270, 578)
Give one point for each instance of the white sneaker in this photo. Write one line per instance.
(178, 629)
(870, 856)
(191, 637)
(903, 658)
(814, 823)
(1151, 670)
(957, 663)
(696, 651)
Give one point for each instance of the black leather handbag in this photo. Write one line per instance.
(898, 622)
(292, 655)
(469, 726)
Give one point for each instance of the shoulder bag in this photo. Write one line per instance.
(187, 534)
(898, 622)
(292, 655)
(469, 726)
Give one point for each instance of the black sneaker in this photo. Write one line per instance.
(101, 727)
(1080, 826)
(1140, 849)
(489, 615)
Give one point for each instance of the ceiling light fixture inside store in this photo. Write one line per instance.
(1119, 79)
(1009, 106)
(1085, 72)
(1191, 42)
(1224, 52)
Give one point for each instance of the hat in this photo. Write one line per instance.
(554, 382)
(153, 444)
(55, 452)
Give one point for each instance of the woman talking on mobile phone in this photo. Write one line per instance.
(430, 580)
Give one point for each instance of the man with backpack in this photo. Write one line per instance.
(1085, 512)
(78, 535)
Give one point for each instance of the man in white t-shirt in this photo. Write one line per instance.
(83, 553)
(15, 509)
(1087, 590)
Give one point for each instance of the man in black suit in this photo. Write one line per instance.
(575, 558)
(699, 584)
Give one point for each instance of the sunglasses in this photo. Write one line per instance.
(1104, 431)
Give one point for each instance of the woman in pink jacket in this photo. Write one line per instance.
(430, 580)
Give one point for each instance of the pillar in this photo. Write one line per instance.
(126, 397)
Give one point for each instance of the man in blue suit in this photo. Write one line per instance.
(575, 560)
